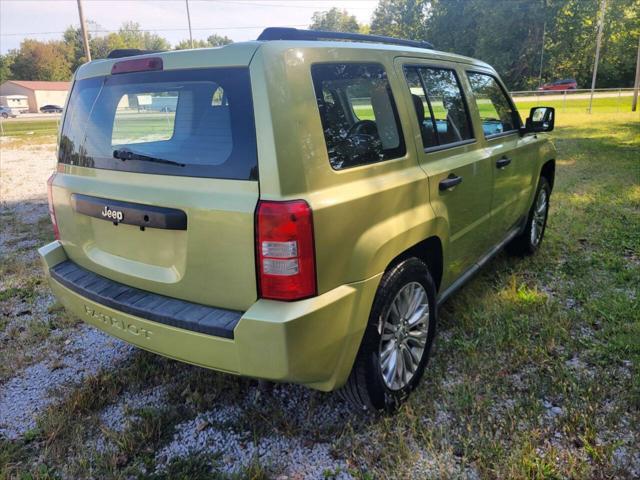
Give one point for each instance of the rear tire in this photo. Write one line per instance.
(397, 340)
(528, 242)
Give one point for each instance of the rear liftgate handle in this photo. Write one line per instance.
(450, 182)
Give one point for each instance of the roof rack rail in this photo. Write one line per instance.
(285, 33)
(129, 52)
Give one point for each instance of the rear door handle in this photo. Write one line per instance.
(451, 181)
(503, 162)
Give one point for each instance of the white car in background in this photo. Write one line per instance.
(6, 112)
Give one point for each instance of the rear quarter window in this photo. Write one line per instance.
(358, 113)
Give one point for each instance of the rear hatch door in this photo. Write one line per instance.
(158, 179)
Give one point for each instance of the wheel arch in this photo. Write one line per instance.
(548, 171)
(430, 252)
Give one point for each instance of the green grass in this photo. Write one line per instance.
(560, 329)
(577, 106)
(570, 106)
(31, 128)
(134, 127)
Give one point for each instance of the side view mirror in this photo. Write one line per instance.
(541, 119)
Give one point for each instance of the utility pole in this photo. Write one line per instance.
(598, 42)
(85, 37)
(636, 84)
(544, 31)
(189, 20)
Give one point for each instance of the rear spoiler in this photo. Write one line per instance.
(129, 52)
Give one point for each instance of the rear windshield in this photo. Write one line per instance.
(196, 123)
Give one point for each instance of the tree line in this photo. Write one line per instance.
(527, 41)
(58, 59)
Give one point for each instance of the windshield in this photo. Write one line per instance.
(183, 122)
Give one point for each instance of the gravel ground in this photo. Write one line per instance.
(216, 432)
(27, 395)
(284, 428)
(118, 417)
(293, 455)
(23, 188)
(85, 351)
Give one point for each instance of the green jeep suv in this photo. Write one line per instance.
(293, 208)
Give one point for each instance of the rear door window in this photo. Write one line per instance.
(181, 122)
(441, 109)
(497, 113)
(358, 113)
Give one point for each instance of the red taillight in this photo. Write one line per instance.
(285, 250)
(137, 65)
(52, 211)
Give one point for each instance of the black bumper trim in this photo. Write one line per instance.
(151, 306)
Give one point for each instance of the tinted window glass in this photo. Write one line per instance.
(439, 104)
(181, 122)
(358, 114)
(144, 117)
(496, 111)
(421, 106)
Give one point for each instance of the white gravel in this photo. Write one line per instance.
(26, 396)
(299, 456)
(119, 416)
(440, 465)
(294, 456)
(551, 410)
(23, 179)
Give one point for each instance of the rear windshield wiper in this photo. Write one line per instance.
(126, 154)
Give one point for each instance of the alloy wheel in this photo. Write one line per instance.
(539, 217)
(403, 336)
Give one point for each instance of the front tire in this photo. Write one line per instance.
(397, 340)
(528, 242)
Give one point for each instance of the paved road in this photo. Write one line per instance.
(33, 116)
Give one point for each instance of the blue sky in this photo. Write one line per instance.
(237, 19)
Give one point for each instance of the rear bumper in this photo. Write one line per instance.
(312, 342)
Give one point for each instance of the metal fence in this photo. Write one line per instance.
(605, 100)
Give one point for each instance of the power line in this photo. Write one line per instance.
(102, 30)
(278, 5)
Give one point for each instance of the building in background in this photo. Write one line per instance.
(38, 94)
(17, 103)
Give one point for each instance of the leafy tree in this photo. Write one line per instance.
(5, 66)
(215, 40)
(129, 35)
(72, 38)
(509, 35)
(186, 44)
(571, 39)
(334, 20)
(103, 45)
(36, 60)
(133, 37)
(400, 18)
